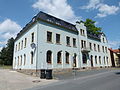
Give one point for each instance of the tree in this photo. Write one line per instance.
(90, 24)
(6, 54)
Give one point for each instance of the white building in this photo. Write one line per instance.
(49, 42)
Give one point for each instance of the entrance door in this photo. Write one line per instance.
(91, 61)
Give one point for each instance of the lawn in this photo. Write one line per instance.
(5, 67)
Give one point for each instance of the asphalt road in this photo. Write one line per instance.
(104, 80)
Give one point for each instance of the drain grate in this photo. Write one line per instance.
(36, 81)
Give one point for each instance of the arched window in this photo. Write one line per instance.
(95, 59)
(21, 60)
(99, 59)
(59, 58)
(84, 58)
(18, 61)
(104, 60)
(67, 57)
(31, 57)
(49, 56)
(24, 59)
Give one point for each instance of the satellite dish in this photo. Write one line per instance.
(33, 45)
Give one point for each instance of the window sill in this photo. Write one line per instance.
(75, 46)
(49, 42)
(59, 63)
(58, 44)
(68, 45)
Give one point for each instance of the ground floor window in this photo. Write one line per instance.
(95, 59)
(99, 59)
(59, 57)
(31, 57)
(67, 57)
(49, 57)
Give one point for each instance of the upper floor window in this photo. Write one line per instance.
(106, 49)
(22, 45)
(83, 44)
(82, 32)
(103, 40)
(68, 41)
(95, 47)
(32, 38)
(58, 38)
(103, 48)
(98, 48)
(49, 36)
(16, 47)
(90, 44)
(19, 46)
(25, 43)
(74, 42)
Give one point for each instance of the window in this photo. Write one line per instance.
(32, 39)
(25, 43)
(19, 46)
(96, 59)
(59, 58)
(98, 48)
(31, 57)
(16, 47)
(74, 42)
(84, 58)
(82, 32)
(22, 45)
(18, 61)
(24, 59)
(106, 49)
(21, 60)
(68, 41)
(103, 40)
(99, 59)
(49, 36)
(83, 44)
(107, 59)
(95, 47)
(67, 57)
(104, 60)
(103, 48)
(58, 38)
(90, 44)
(15, 62)
(49, 57)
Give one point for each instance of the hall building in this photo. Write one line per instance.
(47, 42)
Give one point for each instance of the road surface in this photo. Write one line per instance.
(107, 80)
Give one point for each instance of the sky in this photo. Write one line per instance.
(15, 14)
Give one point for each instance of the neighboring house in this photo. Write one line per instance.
(115, 57)
(49, 42)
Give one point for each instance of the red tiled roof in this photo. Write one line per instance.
(116, 51)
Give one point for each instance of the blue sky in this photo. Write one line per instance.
(14, 14)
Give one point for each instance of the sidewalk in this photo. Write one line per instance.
(12, 80)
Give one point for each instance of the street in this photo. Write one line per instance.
(104, 80)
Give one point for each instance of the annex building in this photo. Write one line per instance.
(49, 42)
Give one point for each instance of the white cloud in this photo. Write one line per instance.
(103, 9)
(114, 44)
(8, 29)
(58, 8)
(92, 4)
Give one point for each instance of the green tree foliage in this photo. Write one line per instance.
(90, 24)
(6, 54)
